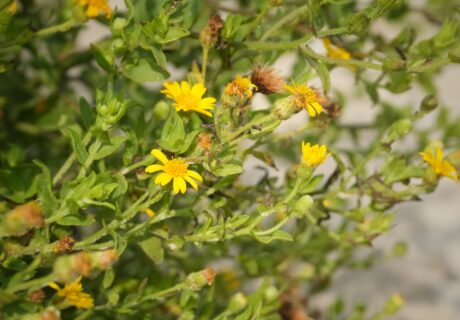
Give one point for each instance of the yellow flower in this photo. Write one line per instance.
(95, 7)
(442, 167)
(334, 51)
(150, 212)
(73, 293)
(175, 170)
(314, 155)
(189, 99)
(241, 87)
(305, 97)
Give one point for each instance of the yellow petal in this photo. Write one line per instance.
(191, 182)
(163, 179)
(176, 186)
(195, 175)
(54, 286)
(157, 153)
(154, 168)
(185, 87)
(198, 90)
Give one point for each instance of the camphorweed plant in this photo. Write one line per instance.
(121, 194)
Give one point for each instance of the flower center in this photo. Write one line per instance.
(306, 95)
(176, 168)
(188, 101)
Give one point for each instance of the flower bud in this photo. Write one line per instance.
(284, 108)
(237, 303)
(37, 296)
(393, 64)
(358, 23)
(429, 103)
(161, 110)
(118, 25)
(271, 293)
(197, 280)
(304, 171)
(22, 219)
(397, 131)
(118, 46)
(210, 33)
(303, 205)
(394, 304)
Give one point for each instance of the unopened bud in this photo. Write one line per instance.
(304, 171)
(303, 205)
(118, 25)
(237, 303)
(429, 103)
(397, 131)
(284, 108)
(161, 110)
(358, 23)
(22, 219)
(394, 304)
(271, 293)
(394, 64)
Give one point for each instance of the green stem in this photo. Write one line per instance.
(289, 18)
(350, 62)
(249, 125)
(205, 63)
(143, 162)
(56, 28)
(32, 284)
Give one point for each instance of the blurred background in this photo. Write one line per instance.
(428, 276)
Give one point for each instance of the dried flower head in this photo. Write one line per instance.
(267, 80)
(23, 218)
(36, 296)
(210, 33)
(82, 263)
(209, 274)
(204, 141)
(73, 293)
(64, 245)
(175, 170)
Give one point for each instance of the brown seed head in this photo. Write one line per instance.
(210, 33)
(267, 79)
(82, 263)
(64, 245)
(204, 141)
(37, 296)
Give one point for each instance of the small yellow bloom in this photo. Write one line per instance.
(95, 7)
(241, 87)
(314, 155)
(189, 99)
(150, 212)
(13, 7)
(175, 170)
(73, 293)
(334, 51)
(442, 167)
(305, 97)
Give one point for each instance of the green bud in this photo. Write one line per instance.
(397, 131)
(454, 55)
(161, 110)
(118, 25)
(394, 304)
(118, 46)
(303, 205)
(358, 23)
(102, 109)
(429, 103)
(237, 303)
(176, 242)
(284, 108)
(271, 293)
(394, 64)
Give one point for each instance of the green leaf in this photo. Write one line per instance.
(19, 183)
(277, 235)
(228, 170)
(49, 203)
(189, 138)
(323, 73)
(153, 249)
(87, 114)
(77, 144)
(144, 71)
(76, 220)
(173, 34)
(109, 276)
(173, 133)
(103, 56)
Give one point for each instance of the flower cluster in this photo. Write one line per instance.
(435, 158)
(73, 294)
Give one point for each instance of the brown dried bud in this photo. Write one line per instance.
(37, 296)
(209, 274)
(23, 218)
(267, 80)
(104, 259)
(333, 109)
(204, 141)
(64, 245)
(210, 33)
(50, 315)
